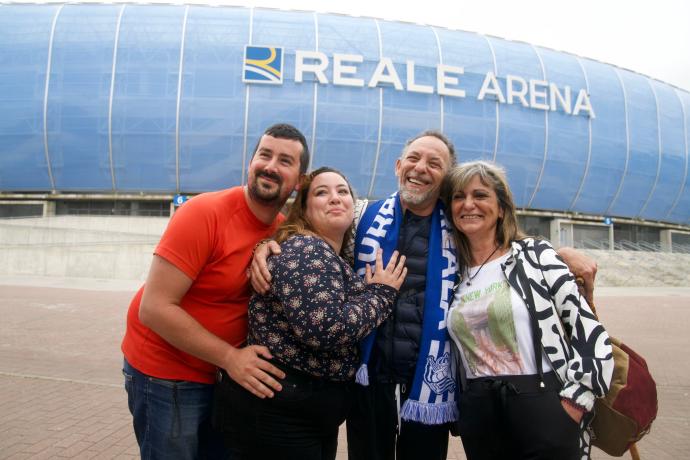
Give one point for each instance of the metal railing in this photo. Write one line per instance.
(681, 248)
(587, 243)
(627, 245)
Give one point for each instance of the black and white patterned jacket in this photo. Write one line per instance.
(573, 340)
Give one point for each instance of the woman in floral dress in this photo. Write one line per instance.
(311, 320)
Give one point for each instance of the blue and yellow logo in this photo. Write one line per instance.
(263, 64)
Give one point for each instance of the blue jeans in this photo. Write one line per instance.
(172, 418)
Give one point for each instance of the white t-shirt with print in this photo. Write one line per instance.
(490, 325)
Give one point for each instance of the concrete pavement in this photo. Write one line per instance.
(61, 392)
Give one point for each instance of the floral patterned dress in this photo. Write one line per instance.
(316, 310)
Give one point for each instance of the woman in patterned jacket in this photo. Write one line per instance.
(311, 320)
(532, 356)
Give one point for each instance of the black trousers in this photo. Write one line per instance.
(299, 423)
(372, 429)
(511, 418)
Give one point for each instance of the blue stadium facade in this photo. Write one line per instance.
(163, 99)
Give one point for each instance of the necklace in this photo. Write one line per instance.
(471, 277)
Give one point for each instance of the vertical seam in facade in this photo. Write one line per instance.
(378, 140)
(46, 91)
(440, 61)
(316, 91)
(627, 142)
(246, 102)
(658, 165)
(110, 98)
(493, 57)
(546, 134)
(179, 99)
(685, 174)
(589, 142)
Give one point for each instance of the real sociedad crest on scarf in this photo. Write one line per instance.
(263, 64)
(438, 374)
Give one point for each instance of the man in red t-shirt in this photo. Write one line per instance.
(190, 317)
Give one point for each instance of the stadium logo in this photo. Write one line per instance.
(263, 64)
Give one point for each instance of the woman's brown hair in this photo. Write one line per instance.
(297, 223)
(491, 175)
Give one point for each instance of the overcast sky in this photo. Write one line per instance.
(651, 37)
(648, 36)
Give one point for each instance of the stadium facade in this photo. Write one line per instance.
(129, 105)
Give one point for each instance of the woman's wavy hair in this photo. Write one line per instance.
(491, 175)
(297, 222)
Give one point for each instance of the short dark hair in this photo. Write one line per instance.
(286, 131)
(438, 135)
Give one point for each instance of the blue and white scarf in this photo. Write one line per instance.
(432, 396)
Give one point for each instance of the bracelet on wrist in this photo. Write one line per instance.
(574, 405)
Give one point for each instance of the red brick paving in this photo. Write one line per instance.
(61, 392)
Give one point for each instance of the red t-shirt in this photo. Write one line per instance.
(210, 238)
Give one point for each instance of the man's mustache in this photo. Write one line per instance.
(270, 175)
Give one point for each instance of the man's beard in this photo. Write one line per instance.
(414, 198)
(266, 196)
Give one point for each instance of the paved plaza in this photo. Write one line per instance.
(61, 392)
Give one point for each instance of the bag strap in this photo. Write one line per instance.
(590, 300)
(634, 452)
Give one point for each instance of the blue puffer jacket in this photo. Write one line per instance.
(397, 342)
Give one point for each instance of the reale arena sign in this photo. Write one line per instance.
(263, 64)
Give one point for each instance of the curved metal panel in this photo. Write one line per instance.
(658, 164)
(468, 122)
(521, 141)
(291, 102)
(180, 74)
(609, 144)
(245, 153)
(441, 125)
(380, 120)
(316, 96)
(497, 105)
(213, 99)
(680, 211)
(348, 116)
(49, 64)
(145, 98)
(24, 39)
(568, 136)
(627, 142)
(644, 146)
(672, 153)
(589, 142)
(111, 93)
(78, 100)
(405, 113)
(546, 132)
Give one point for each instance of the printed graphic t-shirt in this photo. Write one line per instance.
(490, 325)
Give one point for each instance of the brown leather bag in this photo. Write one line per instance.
(626, 413)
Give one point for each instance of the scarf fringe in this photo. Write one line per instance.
(379, 227)
(362, 376)
(428, 413)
